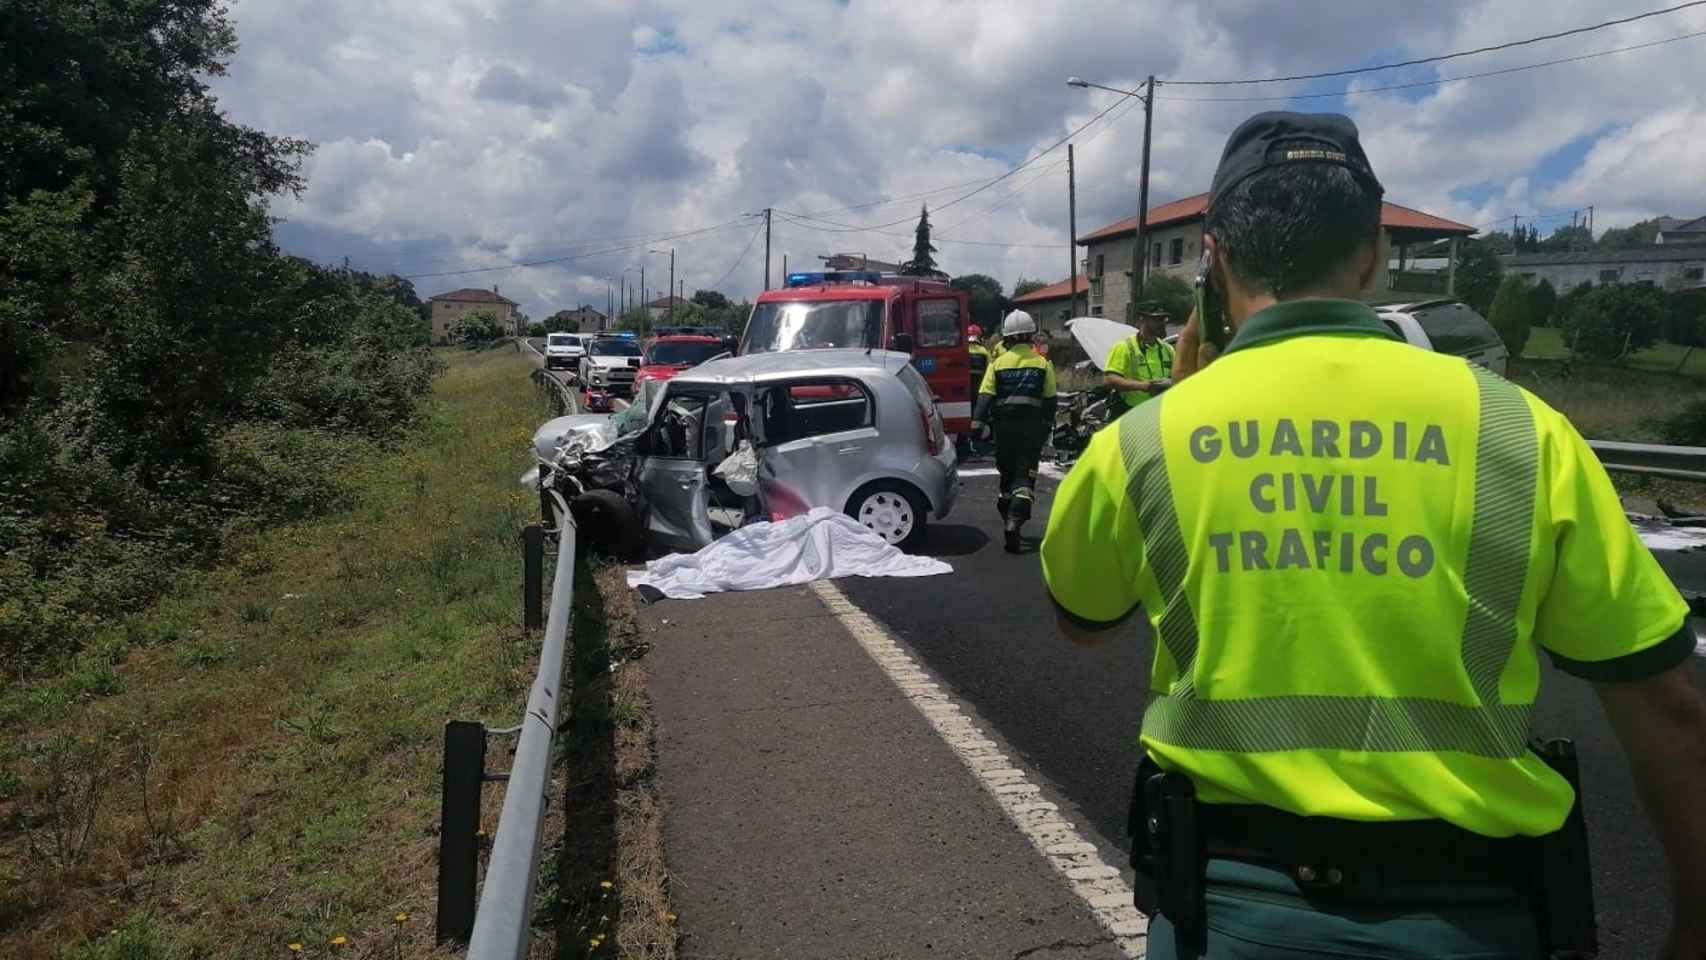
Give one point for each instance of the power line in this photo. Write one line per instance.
(809, 223)
(739, 260)
(1444, 56)
(1440, 80)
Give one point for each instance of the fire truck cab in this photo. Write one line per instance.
(864, 309)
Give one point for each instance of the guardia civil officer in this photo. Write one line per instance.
(1018, 394)
(1352, 553)
(1141, 365)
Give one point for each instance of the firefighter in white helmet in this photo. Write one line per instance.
(1017, 396)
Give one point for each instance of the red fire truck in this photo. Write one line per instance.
(864, 309)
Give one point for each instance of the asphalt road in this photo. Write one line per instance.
(1072, 714)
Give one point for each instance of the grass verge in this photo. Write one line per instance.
(254, 762)
(1547, 343)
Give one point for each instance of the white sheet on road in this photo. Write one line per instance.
(822, 544)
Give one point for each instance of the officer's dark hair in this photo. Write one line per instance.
(1292, 227)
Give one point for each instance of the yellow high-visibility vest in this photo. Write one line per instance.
(1351, 552)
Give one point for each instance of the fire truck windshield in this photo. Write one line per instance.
(812, 324)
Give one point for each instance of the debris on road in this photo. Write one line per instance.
(821, 544)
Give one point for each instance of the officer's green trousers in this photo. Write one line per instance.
(1260, 912)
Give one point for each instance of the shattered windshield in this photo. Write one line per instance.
(813, 324)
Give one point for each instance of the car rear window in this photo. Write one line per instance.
(562, 340)
(1456, 329)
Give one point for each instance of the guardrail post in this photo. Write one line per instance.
(459, 827)
(533, 576)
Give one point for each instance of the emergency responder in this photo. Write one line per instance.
(979, 366)
(1351, 552)
(1018, 396)
(1141, 365)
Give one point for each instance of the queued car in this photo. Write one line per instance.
(853, 430)
(670, 354)
(563, 350)
(1448, 326)
(609, 364)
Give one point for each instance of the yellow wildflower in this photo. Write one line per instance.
(401, 918)
(606, 884)
(295, 946)
(671, 917)
(338, 940)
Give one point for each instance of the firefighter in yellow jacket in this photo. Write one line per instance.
(1018, 396)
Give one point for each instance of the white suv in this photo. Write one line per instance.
(1448, 326)
(563, 350)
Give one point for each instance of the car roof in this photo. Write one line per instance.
(785, 364)
(687, 338)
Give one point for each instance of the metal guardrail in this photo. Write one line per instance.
(562, 395)
(1652, 459)
(500, 927)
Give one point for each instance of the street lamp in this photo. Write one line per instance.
(671, 282)
(1140, 255)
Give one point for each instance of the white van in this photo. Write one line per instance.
(563, 350)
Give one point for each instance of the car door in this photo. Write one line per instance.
(673, 479)
(818, 436)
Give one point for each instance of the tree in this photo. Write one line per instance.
(1567, 302)
(922, 264)
(1542, 302)
(1574, 237)
(1509, 314)
(1478, 272)
(1613, 321)
(711, 300)
(536, 329)
(1639, 234)
(1023, 286)
(987, 301)
(562, 322)
(476, 328)
(1685, 318)
(1173, 294)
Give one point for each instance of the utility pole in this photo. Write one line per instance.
(672, 285)
(784, 268)
(1139, 266)
(1072, 227)
(1515, 248)
(766, 248)
(1590, 221)
(645, 306)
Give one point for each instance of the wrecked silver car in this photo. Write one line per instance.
(760, 437)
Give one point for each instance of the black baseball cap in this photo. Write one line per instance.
(1278, 137)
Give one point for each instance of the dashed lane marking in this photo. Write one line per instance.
(1100, 886)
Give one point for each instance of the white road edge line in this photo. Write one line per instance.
(1100, 886)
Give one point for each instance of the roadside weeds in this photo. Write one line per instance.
(611, 881)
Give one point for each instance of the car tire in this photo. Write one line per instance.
(609, 523)
(895, 510)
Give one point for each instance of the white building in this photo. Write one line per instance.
(1669, 266)
(1174, 236)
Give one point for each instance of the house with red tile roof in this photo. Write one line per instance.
(1173, 234)
(447, 308)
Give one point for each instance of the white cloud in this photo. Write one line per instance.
(464, 133)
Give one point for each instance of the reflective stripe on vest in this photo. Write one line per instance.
(1506, 458)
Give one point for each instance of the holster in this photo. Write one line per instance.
(1168, 855)
(1563, 879)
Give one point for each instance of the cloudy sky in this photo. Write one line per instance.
(464, 135)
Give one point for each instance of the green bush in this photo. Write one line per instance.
(1509, 314)
(1688, 427)
(1685, 318)
(1175, 295)
(1568, 301)
(476, 329)
(1542, 304)
(536, 329)
(1613, 321)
